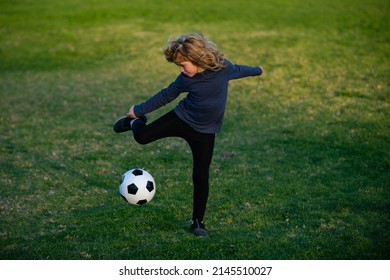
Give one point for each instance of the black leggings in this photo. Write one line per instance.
(202, 147)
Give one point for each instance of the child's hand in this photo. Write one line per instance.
(131, 113)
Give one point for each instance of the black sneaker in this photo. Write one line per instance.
(123, 123)
(198, 228)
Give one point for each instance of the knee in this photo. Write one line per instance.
(140, 139)
(139, 132)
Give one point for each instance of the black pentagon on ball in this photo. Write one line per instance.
(142, 201)
(150, 186)
(132, 189)
(137, 172)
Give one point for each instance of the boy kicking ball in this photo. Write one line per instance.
(204, 75)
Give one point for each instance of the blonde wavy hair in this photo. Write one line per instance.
(196, 49)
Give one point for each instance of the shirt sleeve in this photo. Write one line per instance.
(160, 99)
(241, 71)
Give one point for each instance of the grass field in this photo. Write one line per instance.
(300, 170)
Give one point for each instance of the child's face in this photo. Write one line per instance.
(188, 68)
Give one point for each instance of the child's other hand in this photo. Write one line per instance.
(131, 113)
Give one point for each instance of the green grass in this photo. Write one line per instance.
(300, 170)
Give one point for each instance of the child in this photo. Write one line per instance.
(205, 74)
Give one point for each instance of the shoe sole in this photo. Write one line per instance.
(200, 232)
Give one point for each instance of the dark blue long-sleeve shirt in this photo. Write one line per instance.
(204, 106)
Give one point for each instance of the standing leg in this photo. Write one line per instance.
(202, 148)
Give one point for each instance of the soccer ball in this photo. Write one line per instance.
(137, 186)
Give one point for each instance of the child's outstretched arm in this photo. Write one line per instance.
(158, 100)
(241, 71)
